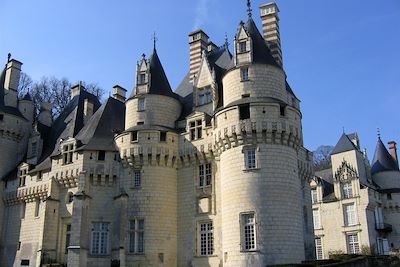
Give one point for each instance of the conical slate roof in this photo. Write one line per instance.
(159, 84)
(344, 144)
(261, 52)
(382, 161)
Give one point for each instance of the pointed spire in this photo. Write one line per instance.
(382, 160)
(154, 38)
(249, 10)
(226, 41)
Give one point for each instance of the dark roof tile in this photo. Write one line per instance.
(382, 161)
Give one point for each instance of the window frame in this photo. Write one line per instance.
(242, 47)
(68, 154)
(244, 74)
(353, 246)
(141, 104)
(102, 246)
(195, 129)
(208, 234)
(347, 190)
(350, 216)
(137, 179)
(319, 251)
(250, 163)
(316, 219)
(101, 155)
(205, 175)
(244, 112)
(314, 196)
(243, 232)
(136, 234)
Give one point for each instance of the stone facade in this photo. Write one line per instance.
(355, 204)
(213, 174)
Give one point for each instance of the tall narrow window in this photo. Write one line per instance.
(349, 214)
(347, 190)
(142, 78)
(206, 239)
(244, 112)
(352, 244)
(250, 158)
(37, 207)
(314, 196)
(244, 74)
(101, 155)
(316, 219)
(100, 238)
(248, 228)
(137, 179)
(134, 136)
(136, 236)
(23, 209)
(67, 237)
(68, 151)
(163, 136)
(1, 117)
(204, 96)
(205, 174)
(318, 248)
(141, 104)
(22, 177)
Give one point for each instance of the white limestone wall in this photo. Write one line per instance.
(273, 192)
(159, 110)
(264, 81)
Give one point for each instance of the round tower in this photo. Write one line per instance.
(149, 149)
(258, 137)
(26, 107)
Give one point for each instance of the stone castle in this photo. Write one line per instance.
(212, 174)
(356, 205)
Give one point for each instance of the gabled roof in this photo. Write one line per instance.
(261, 52)
(159, 84)
(382, 161)
(344, 144)
(98, 134)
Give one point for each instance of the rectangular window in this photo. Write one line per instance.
(68, 152)
(142, 78)
(352, 244)
(137, 179)
(389, 196)
(318, 248)
(250, 158)
(23, 209)
(316, 219)
(347, 190)
(163, 136)
(136, 236)
(242, 47)
(206, 239)
(349, 214)
(314, 195)
(100, 238)
(67, 237)
(141, 104)
(37, 207)
(134, 136)
(204, 96)
(248, 227)
(22, 177)
(244, 74)
(195, 129)
(205, 175)
(1, 117)
(244, 112)
(101, 155)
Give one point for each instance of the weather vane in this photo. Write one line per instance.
(379, 132)
(155, 39)
(249, 8)
(8, 57)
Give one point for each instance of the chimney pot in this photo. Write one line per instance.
(119, 93)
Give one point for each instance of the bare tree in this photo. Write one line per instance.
(322, 157)
(53, 90)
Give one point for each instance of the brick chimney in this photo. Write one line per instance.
(198, 42)
(393, 151)
(270, 25)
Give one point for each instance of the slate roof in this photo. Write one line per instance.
(98, 134)
(344, 144)
(261, 52)
(67, 124)
(326, 179)
(382, 160)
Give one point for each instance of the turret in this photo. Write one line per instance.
(26, 107)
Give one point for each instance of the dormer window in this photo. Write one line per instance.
(142, 78)
(22, 177)
(242, 47)
(68, 151)
(204, 96)
(195, 129)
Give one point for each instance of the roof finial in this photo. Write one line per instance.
(378, 130)
(154, 38)
(8, 57)
(249, 10)
(343, 129)
(226, 40)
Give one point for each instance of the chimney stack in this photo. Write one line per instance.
(270, 25)
(393, 151)
(198, 42)
(13, 71)
(119, 93)
(76, 89)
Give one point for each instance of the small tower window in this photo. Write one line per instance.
(101, 155)
(204, 96)
(282, 111)
(195, 129)
(68, 152)
(242, 47)
(250, 158)
(141, 104)
(134, 136)
(1, 117)
(244, 74)
(142, 78)
(244, 112)
(137, 179)
(163, 136)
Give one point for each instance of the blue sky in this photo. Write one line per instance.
(342, 57)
